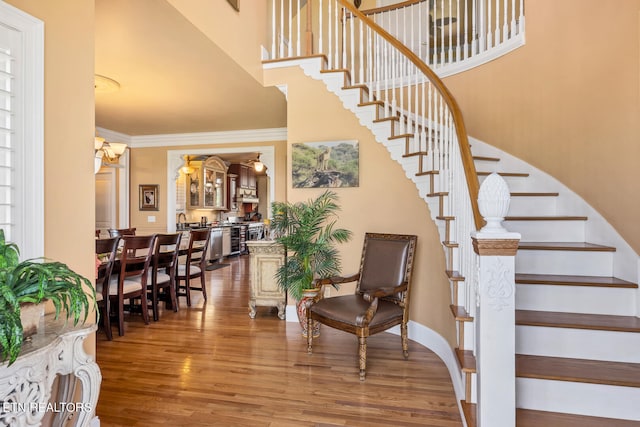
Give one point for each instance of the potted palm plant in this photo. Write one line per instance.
(307, 231)
(33, 282)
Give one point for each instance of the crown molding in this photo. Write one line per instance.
(200, 138)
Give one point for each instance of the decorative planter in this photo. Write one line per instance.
(301, 308)
(30, 316)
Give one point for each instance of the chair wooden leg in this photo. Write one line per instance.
(106, 321)
(309, 333)
(144, 306)
(120, 316)
(405, 340)
(173, 295)
(203, 285)
(187, 289)
(154, 302)
(362, 353)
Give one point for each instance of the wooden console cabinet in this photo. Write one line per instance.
(265, 257)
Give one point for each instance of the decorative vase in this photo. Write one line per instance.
(30, 315)
(301, 308)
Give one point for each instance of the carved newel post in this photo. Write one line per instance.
(495, 321)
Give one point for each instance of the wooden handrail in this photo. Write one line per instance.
(461, 132)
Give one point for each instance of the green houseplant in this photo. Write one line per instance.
(34, 281)
(308, 232)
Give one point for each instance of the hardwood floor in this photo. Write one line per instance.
(212, 365)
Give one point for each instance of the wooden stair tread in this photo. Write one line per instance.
(555, 319)
(416, 153)
(460, 313)
(565, 280)
(546, 218)
(469, 411)
(531, 418)
(487, 159)
(518, 174)
(565, 246)
(578, 370)
(455, 276)
(516, 194)
(467, 360)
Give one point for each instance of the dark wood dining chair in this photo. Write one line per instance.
(131, 281)
(106, 250)
(381, 298)
(161, 283)
(114, 232)
(195, 265)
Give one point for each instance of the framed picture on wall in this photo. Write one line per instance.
(148, 197)
(329, 164)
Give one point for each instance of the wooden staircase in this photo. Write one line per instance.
(554, 262)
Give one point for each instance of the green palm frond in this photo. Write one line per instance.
(308, 232)
(34, 281)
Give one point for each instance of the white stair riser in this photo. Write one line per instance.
(583, 263)
(578, 398)
(578, 343)
(576, 299)
(547, 230)
(532, 206)
(518, 184)
(486, 165)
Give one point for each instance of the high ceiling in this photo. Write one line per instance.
(173, 79)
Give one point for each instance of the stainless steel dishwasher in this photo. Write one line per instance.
(215, 245)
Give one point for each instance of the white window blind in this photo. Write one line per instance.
(7, 176)
(22, 130)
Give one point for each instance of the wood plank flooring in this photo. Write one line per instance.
(211, 365)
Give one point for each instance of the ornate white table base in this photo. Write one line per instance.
(26, 385)
(265, 257)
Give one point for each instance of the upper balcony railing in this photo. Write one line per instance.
(454, 35)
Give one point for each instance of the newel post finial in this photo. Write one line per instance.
(493, 202)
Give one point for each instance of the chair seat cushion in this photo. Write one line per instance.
(161, 278)
(346, 308)
(130, 284)
(193, 270)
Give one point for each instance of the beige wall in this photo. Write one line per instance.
(569, 102)
(385, 201)
(149, 166)
(239, 35)
(69, 127)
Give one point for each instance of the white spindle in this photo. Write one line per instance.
(361, 51)
(298, 47)
(496, 39)
(290, 25)
(320, 28)
(273, 30)
(352, 53)
(281, 41)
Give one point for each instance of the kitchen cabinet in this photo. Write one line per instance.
(226, 241)
(246, 175)
(207, 185)
(232, 205)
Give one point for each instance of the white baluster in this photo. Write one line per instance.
(298, 51)
(361, 49)
(320, 27)
(274, 25)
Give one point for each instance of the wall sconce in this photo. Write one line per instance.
(258, 165)
(107, 153)
(187, 169)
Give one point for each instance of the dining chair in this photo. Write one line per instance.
(106, 250)
(195, 265)
(131, 281)
(381, 298)
(161, 283)
(113, 232)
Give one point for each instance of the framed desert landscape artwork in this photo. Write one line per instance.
(326, 164)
